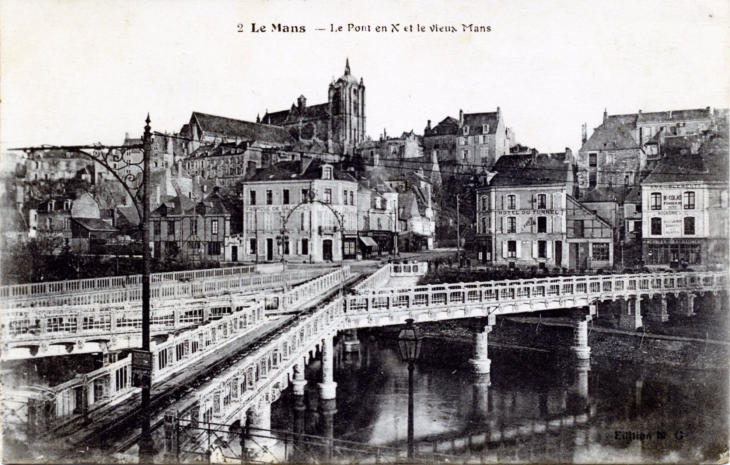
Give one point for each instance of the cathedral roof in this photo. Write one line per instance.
(242, 129)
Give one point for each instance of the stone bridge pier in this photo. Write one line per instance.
(580, 318)
(480, 363)
(328, 387)
(630, 318)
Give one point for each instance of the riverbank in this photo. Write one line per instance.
(554, 335)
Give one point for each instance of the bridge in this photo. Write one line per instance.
(82, 320)
(243, 392)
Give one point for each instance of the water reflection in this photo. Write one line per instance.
(534, 406)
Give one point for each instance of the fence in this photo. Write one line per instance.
(531, 290)
(167, 289)
(193, 442)
(111, 384)
(392, 270)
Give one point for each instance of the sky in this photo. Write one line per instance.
(82, 71)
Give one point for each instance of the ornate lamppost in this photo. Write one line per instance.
(133, 175)
(409, 344)
(282, 240)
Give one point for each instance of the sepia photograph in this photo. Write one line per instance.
(339, 232)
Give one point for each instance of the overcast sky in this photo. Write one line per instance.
(76, 71)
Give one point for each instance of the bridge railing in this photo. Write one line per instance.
(168, 289)
(391, 270)
(41, 327)
(598, 286)
(115, 282)
(113, 383)
(267, 370)
(316, 287)
(375, 280)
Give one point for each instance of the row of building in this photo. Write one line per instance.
(308, 184)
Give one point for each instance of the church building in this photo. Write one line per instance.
(340, 123)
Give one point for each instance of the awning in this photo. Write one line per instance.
(368, 241)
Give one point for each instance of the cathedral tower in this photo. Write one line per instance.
(347, 111)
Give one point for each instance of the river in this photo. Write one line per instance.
(536, 406)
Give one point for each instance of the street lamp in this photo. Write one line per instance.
(134, 177)
(282, 240)
(409, 344)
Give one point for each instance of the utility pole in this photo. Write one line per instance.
(458, 232)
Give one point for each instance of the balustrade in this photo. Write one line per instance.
(527, 290)
(162, 289)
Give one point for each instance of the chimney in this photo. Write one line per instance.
(428, 126)
(499, 112)
(605, 115)
(258, 118)
(670, 114)
(584, 131)
(461, 117)
(126, 135)
(302, 103)
(158, 195)
(385, 133)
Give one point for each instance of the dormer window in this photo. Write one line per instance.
(326, 172)
(466, 130)
(67, 205)
(485, 129)
(51, 205)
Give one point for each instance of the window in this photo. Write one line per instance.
(541, 201)
(67, 222)
(214, 227)
(600, 252)
(656, 201)
(157, 228)
(328, 196)
(541, 249)
(327, 172)
(49, 224)
(511, 249)
(656, 226)
(193, 226)
(578, 229)
(689, 226)
(511, 224)
(345, 196)
(593, 160)
(285, 246)
(285, 197)
(485, 202)
(352, 198)
(252, 197)
(214, 248)
(269, 197)
(689, 200)
(252, 246)
(511, 202)
(170, 228)
(380, 224)
(305, 246)
(462, 140)
(542, 224)
(304, 195)
(464, 154)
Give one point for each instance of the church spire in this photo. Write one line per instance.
(347, 66)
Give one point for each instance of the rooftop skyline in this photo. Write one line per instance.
(80, 72)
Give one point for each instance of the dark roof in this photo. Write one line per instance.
(611, 135)
(177, 205)
(605, 194)
(632, 120)
(129, 212)
(94, 224)
(292, 170)
(711, 167)
(447, 126)
(312, 112)
(527, 170)
(242, 129)
(476, 122)
(214, 205)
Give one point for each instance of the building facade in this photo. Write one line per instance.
(300, 211)
(527, 216)
(471, 141)
(685, 213)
